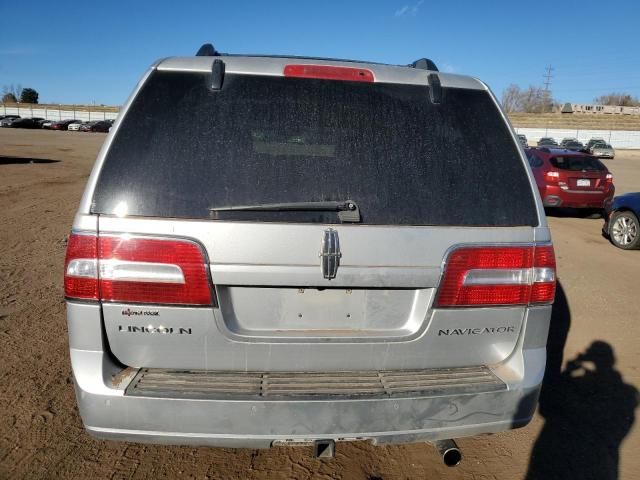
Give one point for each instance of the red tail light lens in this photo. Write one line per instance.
(150, 270)
(81, 267)
(477, 276)
(141, 270)
(327, 72)
(552, 177)
(543, 283)
(609, 178)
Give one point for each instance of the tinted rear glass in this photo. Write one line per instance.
(182, 149)
(577, 163)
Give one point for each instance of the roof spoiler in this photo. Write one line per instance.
(217, 71)
(208, 50)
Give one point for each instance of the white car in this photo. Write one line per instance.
(74, 127)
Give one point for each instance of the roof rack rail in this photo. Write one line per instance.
(207, 50)
(424, 64)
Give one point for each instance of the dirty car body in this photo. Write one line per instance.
(279, 250)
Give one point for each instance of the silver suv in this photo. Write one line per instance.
(278, 250)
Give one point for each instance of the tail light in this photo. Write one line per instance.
(609, 178)
(328, 72)
(81, 267)
(487, 275)
(552, 176)
(122, 268)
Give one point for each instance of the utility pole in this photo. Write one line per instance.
(547, 82)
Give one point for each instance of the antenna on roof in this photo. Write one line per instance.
(424, 64)
(207, 50)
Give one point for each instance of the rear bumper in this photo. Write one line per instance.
(553, 196)
(109, 413)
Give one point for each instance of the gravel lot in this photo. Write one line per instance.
(584, 430)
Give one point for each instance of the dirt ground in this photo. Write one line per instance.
(584, 428)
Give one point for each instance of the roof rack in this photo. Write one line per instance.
(424, 64)
(207, 50)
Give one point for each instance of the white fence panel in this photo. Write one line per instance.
(57, 113)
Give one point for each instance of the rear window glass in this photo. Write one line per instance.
(183, 149)
(577, 163)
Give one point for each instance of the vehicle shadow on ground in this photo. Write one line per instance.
(565, 212)
(20, 160)
(587, 407)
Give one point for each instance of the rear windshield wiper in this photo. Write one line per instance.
(348, 210)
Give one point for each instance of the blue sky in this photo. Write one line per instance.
(75, 52)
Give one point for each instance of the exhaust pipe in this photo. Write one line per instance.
(449, 451)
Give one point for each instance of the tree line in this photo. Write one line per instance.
(17, 94)
(539, 100)
(531, 100)
(619, 99)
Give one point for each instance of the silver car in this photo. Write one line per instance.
(277, 250)
(603, 150)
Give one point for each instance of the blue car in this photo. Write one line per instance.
(622, 224)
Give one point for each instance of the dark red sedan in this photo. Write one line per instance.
(63, 124)
(570, 179)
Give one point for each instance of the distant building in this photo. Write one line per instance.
(599, 109)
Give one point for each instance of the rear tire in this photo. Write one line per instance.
(624, 230)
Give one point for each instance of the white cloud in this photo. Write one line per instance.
(401, 11)
(408, 10)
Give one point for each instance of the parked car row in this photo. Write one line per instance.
(596, 146)
(94, 126)
(15, 121)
